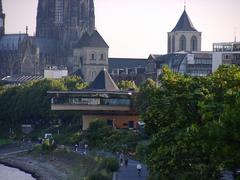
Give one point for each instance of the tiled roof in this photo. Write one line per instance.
(116, 63)
(11, 41)
(20, 79)
(93, 40)
(184, 23)
(174, 59)
(104, 82)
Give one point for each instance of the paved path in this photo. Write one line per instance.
(130, 172)
(14, 149)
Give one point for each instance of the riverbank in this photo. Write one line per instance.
(41, 169)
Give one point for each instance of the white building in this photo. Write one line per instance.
(53, 72)
(225, 53)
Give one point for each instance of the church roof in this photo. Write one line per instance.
(116, 63)
(184, 23)
(104, 82)
(93, 40)
(11, 41)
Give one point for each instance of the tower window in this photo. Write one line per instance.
(92, 56)
(182, 43)
(102, 56)
(194, 43)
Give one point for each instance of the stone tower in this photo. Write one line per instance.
(2, 20)
(65, 20)
(184, 36)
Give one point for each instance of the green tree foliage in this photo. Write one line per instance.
(127, 85)
(29, 103)
(193, 123)
(101, 136)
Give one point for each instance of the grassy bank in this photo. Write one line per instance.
(79, 167)
(4, 142)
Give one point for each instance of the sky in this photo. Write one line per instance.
(137, 28)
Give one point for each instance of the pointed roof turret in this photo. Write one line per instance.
(104, 82)
(93, 40)
(184, 23)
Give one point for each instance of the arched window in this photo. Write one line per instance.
(173, 44)
(182, 43)
(169, 44)
(194, 43)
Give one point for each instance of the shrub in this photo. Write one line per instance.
(98, 176)
(110, 164)
(142, 151)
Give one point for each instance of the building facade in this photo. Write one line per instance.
(226, 53)
(102, 101)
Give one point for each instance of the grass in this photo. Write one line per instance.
(4, 142)
(78, 167)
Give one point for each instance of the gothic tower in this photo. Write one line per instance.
(65, 20)
(2, 20)
(184, 36)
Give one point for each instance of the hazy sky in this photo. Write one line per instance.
(136, 28)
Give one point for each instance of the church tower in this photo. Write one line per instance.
(2, 20)
(65, 20)
(184, 36)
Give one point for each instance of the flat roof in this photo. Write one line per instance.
(93, 92)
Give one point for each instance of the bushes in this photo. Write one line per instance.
(142, 150)
(110, 164)
(101, 136)
(98, 176)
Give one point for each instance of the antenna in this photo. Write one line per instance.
(185, 5)
(235, 34)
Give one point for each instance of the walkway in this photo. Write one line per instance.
(130, 172)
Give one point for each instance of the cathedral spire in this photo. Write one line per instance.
(185, 5)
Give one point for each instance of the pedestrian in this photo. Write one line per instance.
(76, 147)
(121, 159)
(139, 169)
(126, 161)
(85, 148)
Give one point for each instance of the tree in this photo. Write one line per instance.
(127, 85)
(193, 123)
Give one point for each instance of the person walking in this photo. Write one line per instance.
(126, 160)
(76, 147)
(139, 169)
(121, 159)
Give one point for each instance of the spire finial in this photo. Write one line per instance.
(185, 5)
(26, 29)
(235, 34)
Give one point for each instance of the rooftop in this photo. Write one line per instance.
(184, 23)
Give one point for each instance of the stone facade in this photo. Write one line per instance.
(91, 61)
(60, 27)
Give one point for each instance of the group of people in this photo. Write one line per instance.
(123, 160)
(85, 148)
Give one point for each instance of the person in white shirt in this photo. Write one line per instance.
(139, 168)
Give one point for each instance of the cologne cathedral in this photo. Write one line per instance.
(65, 37)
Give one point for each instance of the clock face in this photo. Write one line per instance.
(1, 22)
